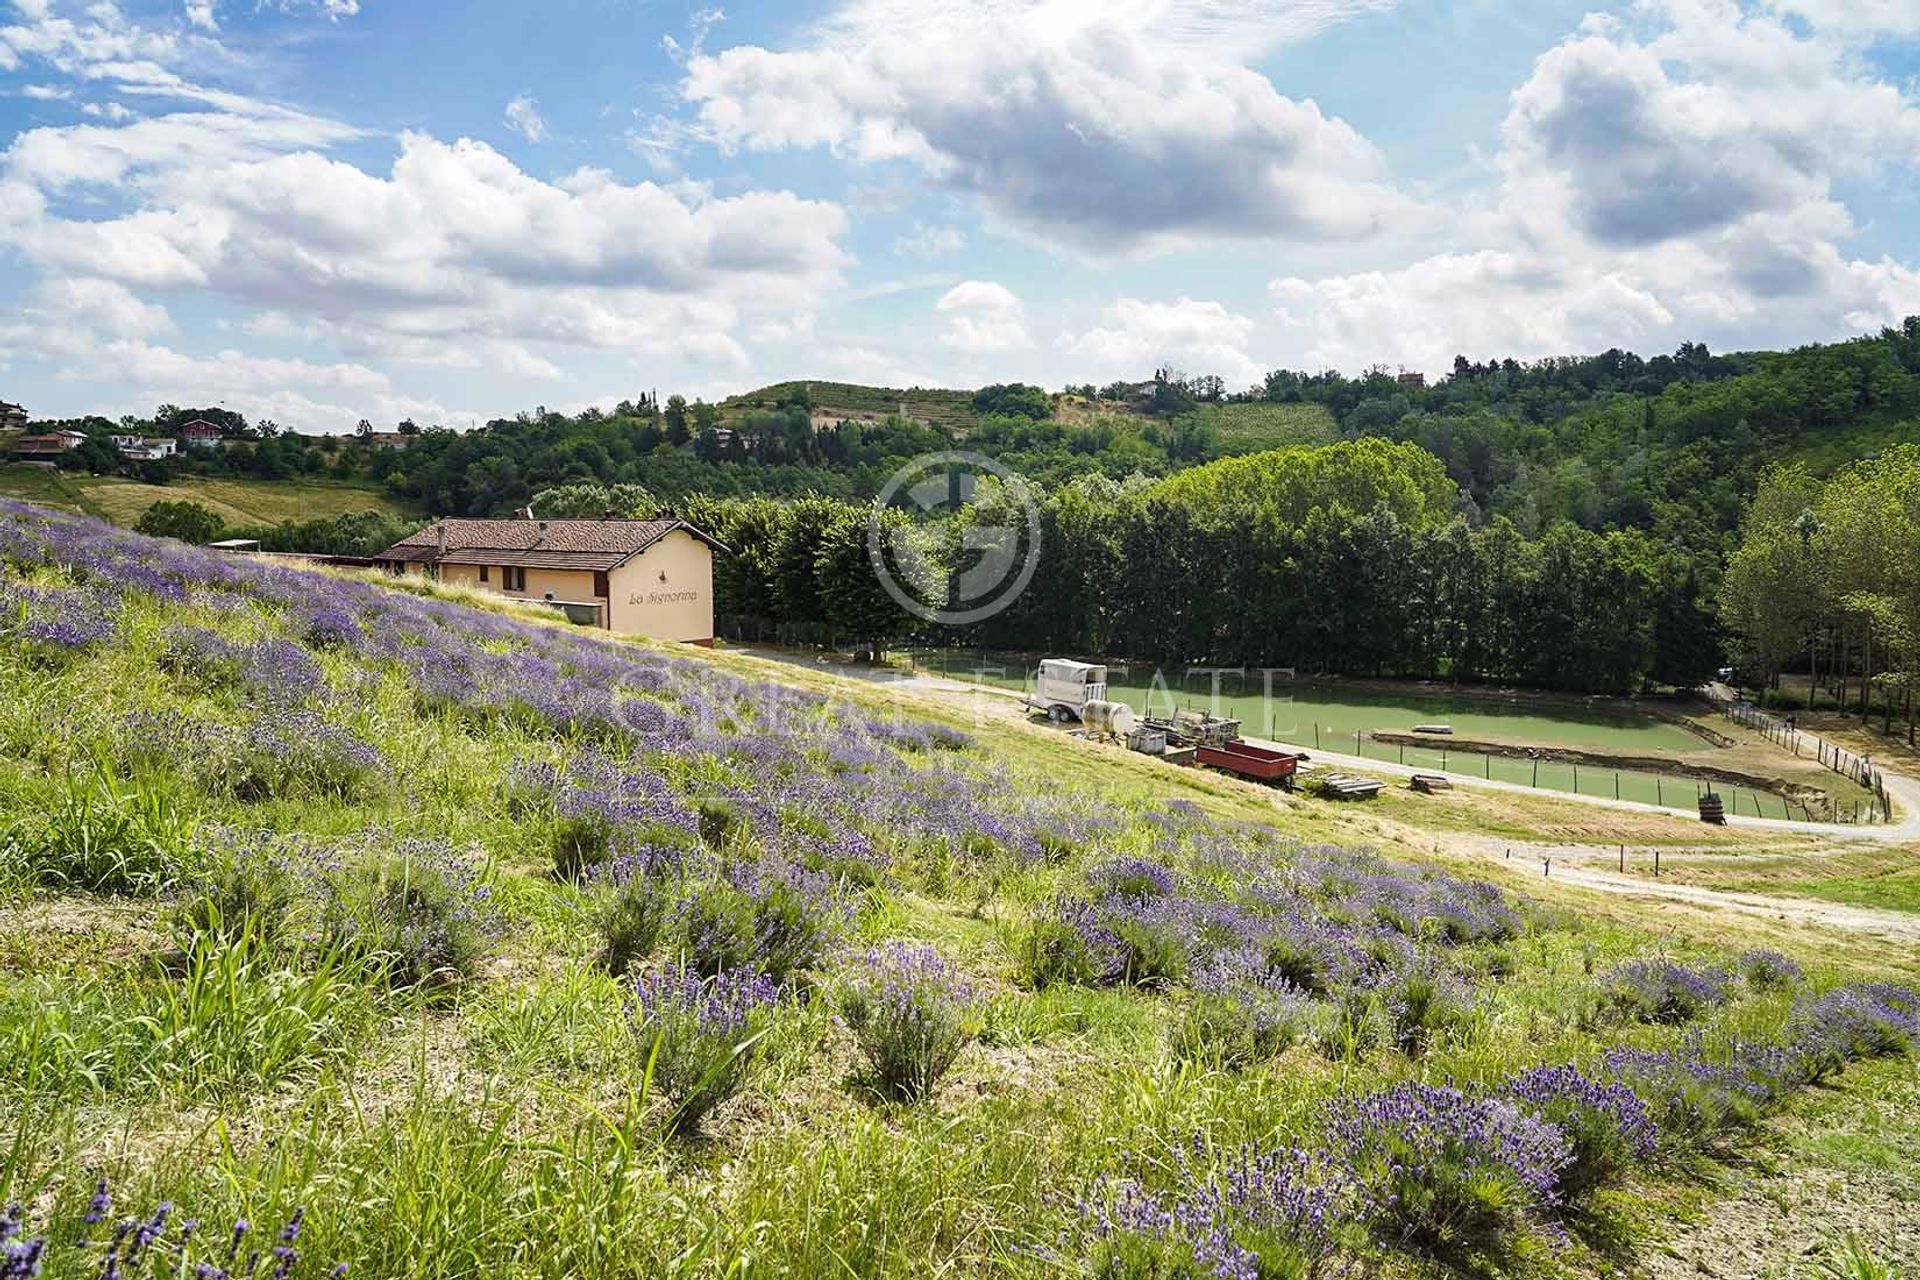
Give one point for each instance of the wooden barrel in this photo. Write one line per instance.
(1713, 809)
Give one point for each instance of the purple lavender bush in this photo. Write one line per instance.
(910, 1013)
(1769, 970)
(1449, 1175)
(1238, 1013)
(1265, 1215)
(1695, 1101)
(635, 898)
(697, 1036)
(1862, 1020)
(1071, 946)
(1609, 1130)
(419, 912)
(161, 1246)
(1660, 991)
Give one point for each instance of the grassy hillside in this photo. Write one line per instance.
(1251, 428)
(493, 948)
(237, 502)
(952, 410)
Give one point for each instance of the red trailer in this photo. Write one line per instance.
(1262, 764)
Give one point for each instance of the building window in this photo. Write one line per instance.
(516, 579)
(483, 573)
(600, 586)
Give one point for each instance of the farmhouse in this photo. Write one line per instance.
(639, 577)
(48, 446)
(145, 448)
(12, 416)
(201, 434)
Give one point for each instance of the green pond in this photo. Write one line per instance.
(1328, 717)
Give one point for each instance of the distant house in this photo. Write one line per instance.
(638, 577)
(145, 448)
(201, 434)
(12, 416)
(388, 439)
(35, 448)
(1416, 379)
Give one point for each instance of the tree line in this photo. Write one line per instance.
(1825, 583)
(1350, 559)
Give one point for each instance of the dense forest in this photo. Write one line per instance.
(1563, 522)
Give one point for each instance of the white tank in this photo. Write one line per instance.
(1111, 717)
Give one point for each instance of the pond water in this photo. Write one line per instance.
(1328, 717)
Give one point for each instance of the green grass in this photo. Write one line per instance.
(1254, 428)
(236, 501)
(505, 1121)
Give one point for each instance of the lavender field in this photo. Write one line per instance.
(347, 927)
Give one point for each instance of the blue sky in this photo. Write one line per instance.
(322, 210)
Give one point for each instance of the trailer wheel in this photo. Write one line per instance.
(1057, 714)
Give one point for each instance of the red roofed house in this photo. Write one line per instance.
(201, 434)
(639, 577)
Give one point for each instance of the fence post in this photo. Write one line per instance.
(1656, 862)
(1536, 771)
(1616, 784)
(1623, 858)
(1660, 790)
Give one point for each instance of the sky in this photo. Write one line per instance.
(318, 211)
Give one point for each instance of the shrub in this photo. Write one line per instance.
(246, 884)
(182, 519)
(1769, 970)
(1266, 1215)
(635, 907)
(910, 1014)
(291, 751)
(1449, 1175)
(698, 1035)
(1608, 1127)
(1864, 1020)
(796, 915)
(421, 913)
(1238, 1014)
(1660, 991)
(1422, 1002)
(1693, 1101)
(1131, 878)
(1072, 948)
(715, 923)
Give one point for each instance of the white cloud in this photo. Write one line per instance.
(1192, 336)
(453, 256)
(524, 118)
(200, 14)
(930, 241)
(1107, 126)
(1867, 17)
(1653, 188)
(983, 316)
(700, 25)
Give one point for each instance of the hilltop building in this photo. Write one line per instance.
(145, 448)
(201, 434)
(639, 577)
(12, 416)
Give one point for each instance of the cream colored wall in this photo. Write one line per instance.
(573, 585)
(678, 608)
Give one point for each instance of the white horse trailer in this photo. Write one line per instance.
(1063, 688)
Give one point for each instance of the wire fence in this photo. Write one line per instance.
(1847, 764)
(1533, 771)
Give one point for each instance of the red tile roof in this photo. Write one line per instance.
(537, 544)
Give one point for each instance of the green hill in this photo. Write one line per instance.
(466, 943)
(236, 500)
(950, 410)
